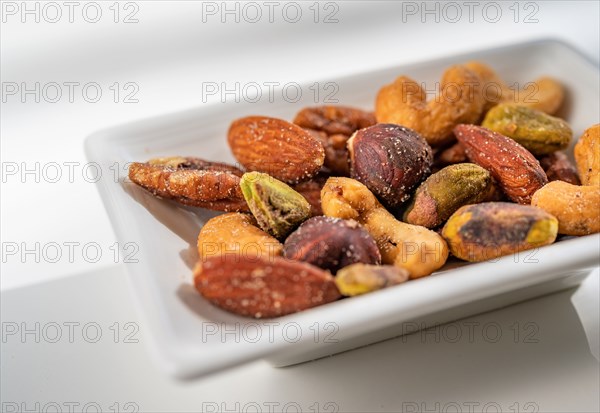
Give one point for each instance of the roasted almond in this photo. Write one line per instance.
(262, 288)
(283, 150)
(515, 169)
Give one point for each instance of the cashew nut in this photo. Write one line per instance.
(417, 249)
(236, 234)
(545, 94)
(587, 156)
(575, 206)
(404, 102)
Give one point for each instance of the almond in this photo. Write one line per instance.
(281, 149)
(263, 288)
(517, 171)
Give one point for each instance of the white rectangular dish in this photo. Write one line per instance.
(190, 337)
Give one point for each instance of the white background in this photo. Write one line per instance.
(172, 49)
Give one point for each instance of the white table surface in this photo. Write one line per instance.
(168, 53)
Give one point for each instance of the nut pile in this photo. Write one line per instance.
(342, 202)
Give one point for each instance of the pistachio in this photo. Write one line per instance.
(493, 229)
(537, 131)
(359, 279)
(278, 209)
(445, 191)
(331, 244)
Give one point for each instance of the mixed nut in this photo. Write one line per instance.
(342, 201)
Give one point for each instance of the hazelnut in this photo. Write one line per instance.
(390, 160)
(331, 244)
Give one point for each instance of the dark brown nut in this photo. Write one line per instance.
(337, 159)
(311, 190)
(320, 136)
(334, 120)
(515, 169)
(331, 244)
(333, 125)
(559, 168)
(263, 289)
(450, 156)
(192, 181)
(390, 160)
(283, 150)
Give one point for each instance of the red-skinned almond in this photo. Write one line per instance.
(515, 169)
(263, 288)
(276, 147)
